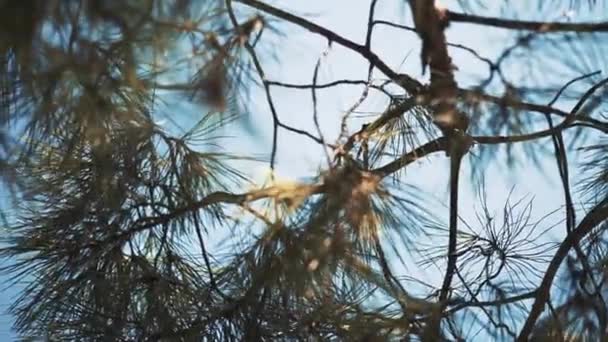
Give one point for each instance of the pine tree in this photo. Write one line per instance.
(115, 217)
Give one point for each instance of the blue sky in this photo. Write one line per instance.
(298, 157)
(298, 53)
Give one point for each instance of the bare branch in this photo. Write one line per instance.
(595, 217)
(537, 26)
(409, 83)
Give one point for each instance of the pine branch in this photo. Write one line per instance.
(410, 84)
(595, 217)
(537, 26)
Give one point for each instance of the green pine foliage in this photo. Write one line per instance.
(115, 217)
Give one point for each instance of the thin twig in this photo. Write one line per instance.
(260, 70)
(596, 216)
(537, 26)
(410, 84)
(315, 114)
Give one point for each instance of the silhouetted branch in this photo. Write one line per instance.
(538, 26)
(410, 84)
(594, 217)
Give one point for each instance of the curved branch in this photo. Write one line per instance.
(538, 26)
(567, 122)
(430, 25)
(410, 84)
(505, 139)
(316, 86)
(496, 302)
(393, 111)
(420, 152)
(477, 96)
(261, 73)
(596, 216)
